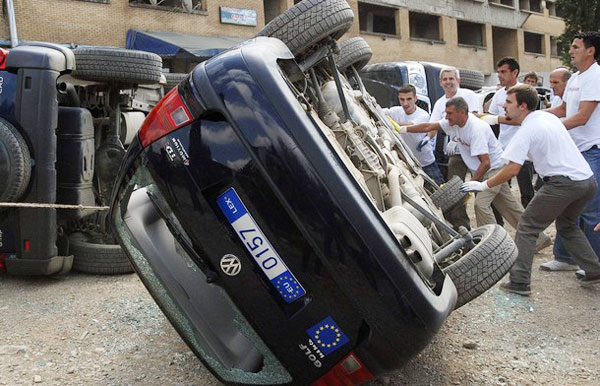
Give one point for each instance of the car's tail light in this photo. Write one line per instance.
(168, 115)
(3, 56)
(350, 371)
(2, 261)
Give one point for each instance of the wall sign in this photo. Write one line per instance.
(239, 16)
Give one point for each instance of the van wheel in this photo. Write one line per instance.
(449, 195)
(355, 51)
(15, 163)
(310, 22)
(484, 265)
(173, 79)
(471, 79)
(101, 64)
(91, 255)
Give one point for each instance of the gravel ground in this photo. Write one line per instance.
(94, 330)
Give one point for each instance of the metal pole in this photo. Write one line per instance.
(12, 23)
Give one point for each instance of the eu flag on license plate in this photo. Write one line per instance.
(327, 335)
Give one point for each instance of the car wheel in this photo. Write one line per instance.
(15, 163)
(309, 22)
(471, 79)
(449, 194)
(481, 267)
(355, 51)
(100, 64)
(90, 255)
(173, 79)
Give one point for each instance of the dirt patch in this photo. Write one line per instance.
(92, 330)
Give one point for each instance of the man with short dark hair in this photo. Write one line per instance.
(568, 185)
(408, 113)
(508, 71)
(582, 119)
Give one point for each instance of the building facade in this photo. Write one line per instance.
(466, 33)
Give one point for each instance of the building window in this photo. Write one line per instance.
(534, 43)
(554, 9)
(508, 3)
(376, 18)
(171, 5)
(531, 5)
(424, 26)
(472, 34)
(554, 49)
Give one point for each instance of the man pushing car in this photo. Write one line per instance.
(568, 185)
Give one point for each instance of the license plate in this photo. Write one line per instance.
(257, 244)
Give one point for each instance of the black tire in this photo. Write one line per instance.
(103, 64)
(310, 22)
(355, 51)
(15, 163)
(471, 79)
(96, 258)
(449, 194)
(173, 79)
(480, 268)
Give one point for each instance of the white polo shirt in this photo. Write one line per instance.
(439, 108)
(544, 140)
(475, 138)
(583, 87)
(397, 113)
(497, 108)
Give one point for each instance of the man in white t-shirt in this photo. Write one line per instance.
(508, 71)
(480, 151)
(581, 117)
(408, 113)
(568, 185)
(450, 82)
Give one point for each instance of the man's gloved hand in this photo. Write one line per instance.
(474, 186)
(451, 148)
(490, 119)
(397, 127)
(425, 141)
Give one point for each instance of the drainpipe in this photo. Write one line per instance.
(12, 23)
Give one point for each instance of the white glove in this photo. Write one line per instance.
(423, 142)
(474, 186)
(490, 119)
(451, 148)
(402, 129)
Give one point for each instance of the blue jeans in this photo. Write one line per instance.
(590, 216)
(433, 171)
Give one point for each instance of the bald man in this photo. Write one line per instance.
(558, 81)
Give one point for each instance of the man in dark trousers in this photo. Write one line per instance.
(580, 111)
(568, 185)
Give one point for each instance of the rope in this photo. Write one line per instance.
(49, 206)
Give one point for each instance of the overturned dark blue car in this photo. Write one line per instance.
(281, 223)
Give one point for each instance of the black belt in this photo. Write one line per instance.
(550, 178)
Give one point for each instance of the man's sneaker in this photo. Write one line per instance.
(589, 280)
(555, 265)
(543, 241)
(516, 288)
(580, 273)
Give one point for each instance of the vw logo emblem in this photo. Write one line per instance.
(230, 265)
